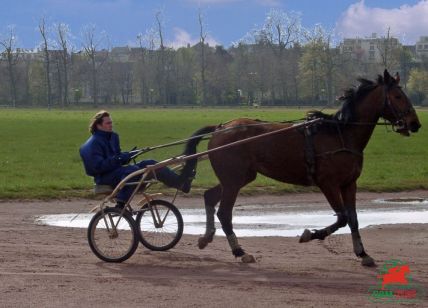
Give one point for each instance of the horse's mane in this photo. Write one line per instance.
(350, 98)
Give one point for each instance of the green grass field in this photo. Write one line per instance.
(39, 149)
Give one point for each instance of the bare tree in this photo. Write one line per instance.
(126, 78)
(280, 31)
(389, 51)
(91, 46)
(63, 35)
(322, 42)
(148, 38)
(148, 43)
(11, 55)
(202, 37)
(319, 63)
(165, 65)
(56, 61)
(44, 33)
(330, 66)
(161, 60)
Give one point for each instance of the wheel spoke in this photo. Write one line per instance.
(112, 236)
(160, 227)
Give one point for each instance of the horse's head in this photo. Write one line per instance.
(397, 107)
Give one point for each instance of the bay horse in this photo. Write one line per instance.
(328, 155)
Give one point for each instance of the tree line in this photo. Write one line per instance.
(278, 63)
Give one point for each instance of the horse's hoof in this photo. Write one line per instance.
(248, 258)
(368, 261)
(306, 236)
(202, 242)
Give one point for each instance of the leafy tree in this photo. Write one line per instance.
(418, 85)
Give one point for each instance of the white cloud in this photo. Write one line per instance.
(182, 38)
(406, 22)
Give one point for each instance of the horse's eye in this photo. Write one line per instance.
(398, 96)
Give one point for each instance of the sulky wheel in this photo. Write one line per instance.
(111, 236)
(160, 224)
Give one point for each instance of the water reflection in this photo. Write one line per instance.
(256, 220)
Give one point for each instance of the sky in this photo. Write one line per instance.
(226, 21)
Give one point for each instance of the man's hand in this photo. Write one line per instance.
(134, 151)
(124, 158)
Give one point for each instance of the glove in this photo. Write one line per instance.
(133, 151)
(124, 158)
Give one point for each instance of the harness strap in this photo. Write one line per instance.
(399, 115)
(309, 153)
(310, 156)
(338, 151)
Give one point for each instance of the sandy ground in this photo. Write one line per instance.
(42, 266)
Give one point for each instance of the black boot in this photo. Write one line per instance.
(186, 181)
(120, 204)
(171, 179)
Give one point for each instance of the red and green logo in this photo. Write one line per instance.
(395, 284)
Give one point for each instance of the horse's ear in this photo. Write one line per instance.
(386, 77)
(397, 78)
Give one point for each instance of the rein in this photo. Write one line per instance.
(139, 152)
(203, 136)
(358, 123)
(387, 104)
(398, 115)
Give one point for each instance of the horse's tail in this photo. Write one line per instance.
(190, 149)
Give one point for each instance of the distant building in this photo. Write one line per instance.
(29, 54)
(411, 49)
(121, 54)
(422, 47)
(25, 54)
(368, 50)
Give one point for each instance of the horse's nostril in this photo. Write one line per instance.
(414, 127)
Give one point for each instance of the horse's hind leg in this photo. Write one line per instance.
(334, 197)
(211, 197)
(348, 194)
(224, 214)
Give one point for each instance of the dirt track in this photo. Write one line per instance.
(43, 266)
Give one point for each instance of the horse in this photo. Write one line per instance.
(328, 155)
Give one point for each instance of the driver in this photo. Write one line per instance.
(104, 160)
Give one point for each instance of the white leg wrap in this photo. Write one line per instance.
(233, 241)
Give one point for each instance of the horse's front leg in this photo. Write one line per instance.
(211, 198)
(349, 198)
(333, 195)
(224, 214)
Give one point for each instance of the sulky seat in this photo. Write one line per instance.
(103, 189)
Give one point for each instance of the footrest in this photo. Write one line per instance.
(103, 189)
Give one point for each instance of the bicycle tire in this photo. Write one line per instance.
(176, 219)
(112, 214)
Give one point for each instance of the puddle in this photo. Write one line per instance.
(262, 221)
(409, 201)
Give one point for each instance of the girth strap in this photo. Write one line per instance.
(309, 153)
(309, 132)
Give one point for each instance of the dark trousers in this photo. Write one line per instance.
(165, 175)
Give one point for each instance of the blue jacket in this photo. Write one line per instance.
(101, 154)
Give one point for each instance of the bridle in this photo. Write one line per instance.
(399, 115)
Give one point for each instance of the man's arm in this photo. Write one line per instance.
(103, 164)
(125, 157)
(96, 162)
